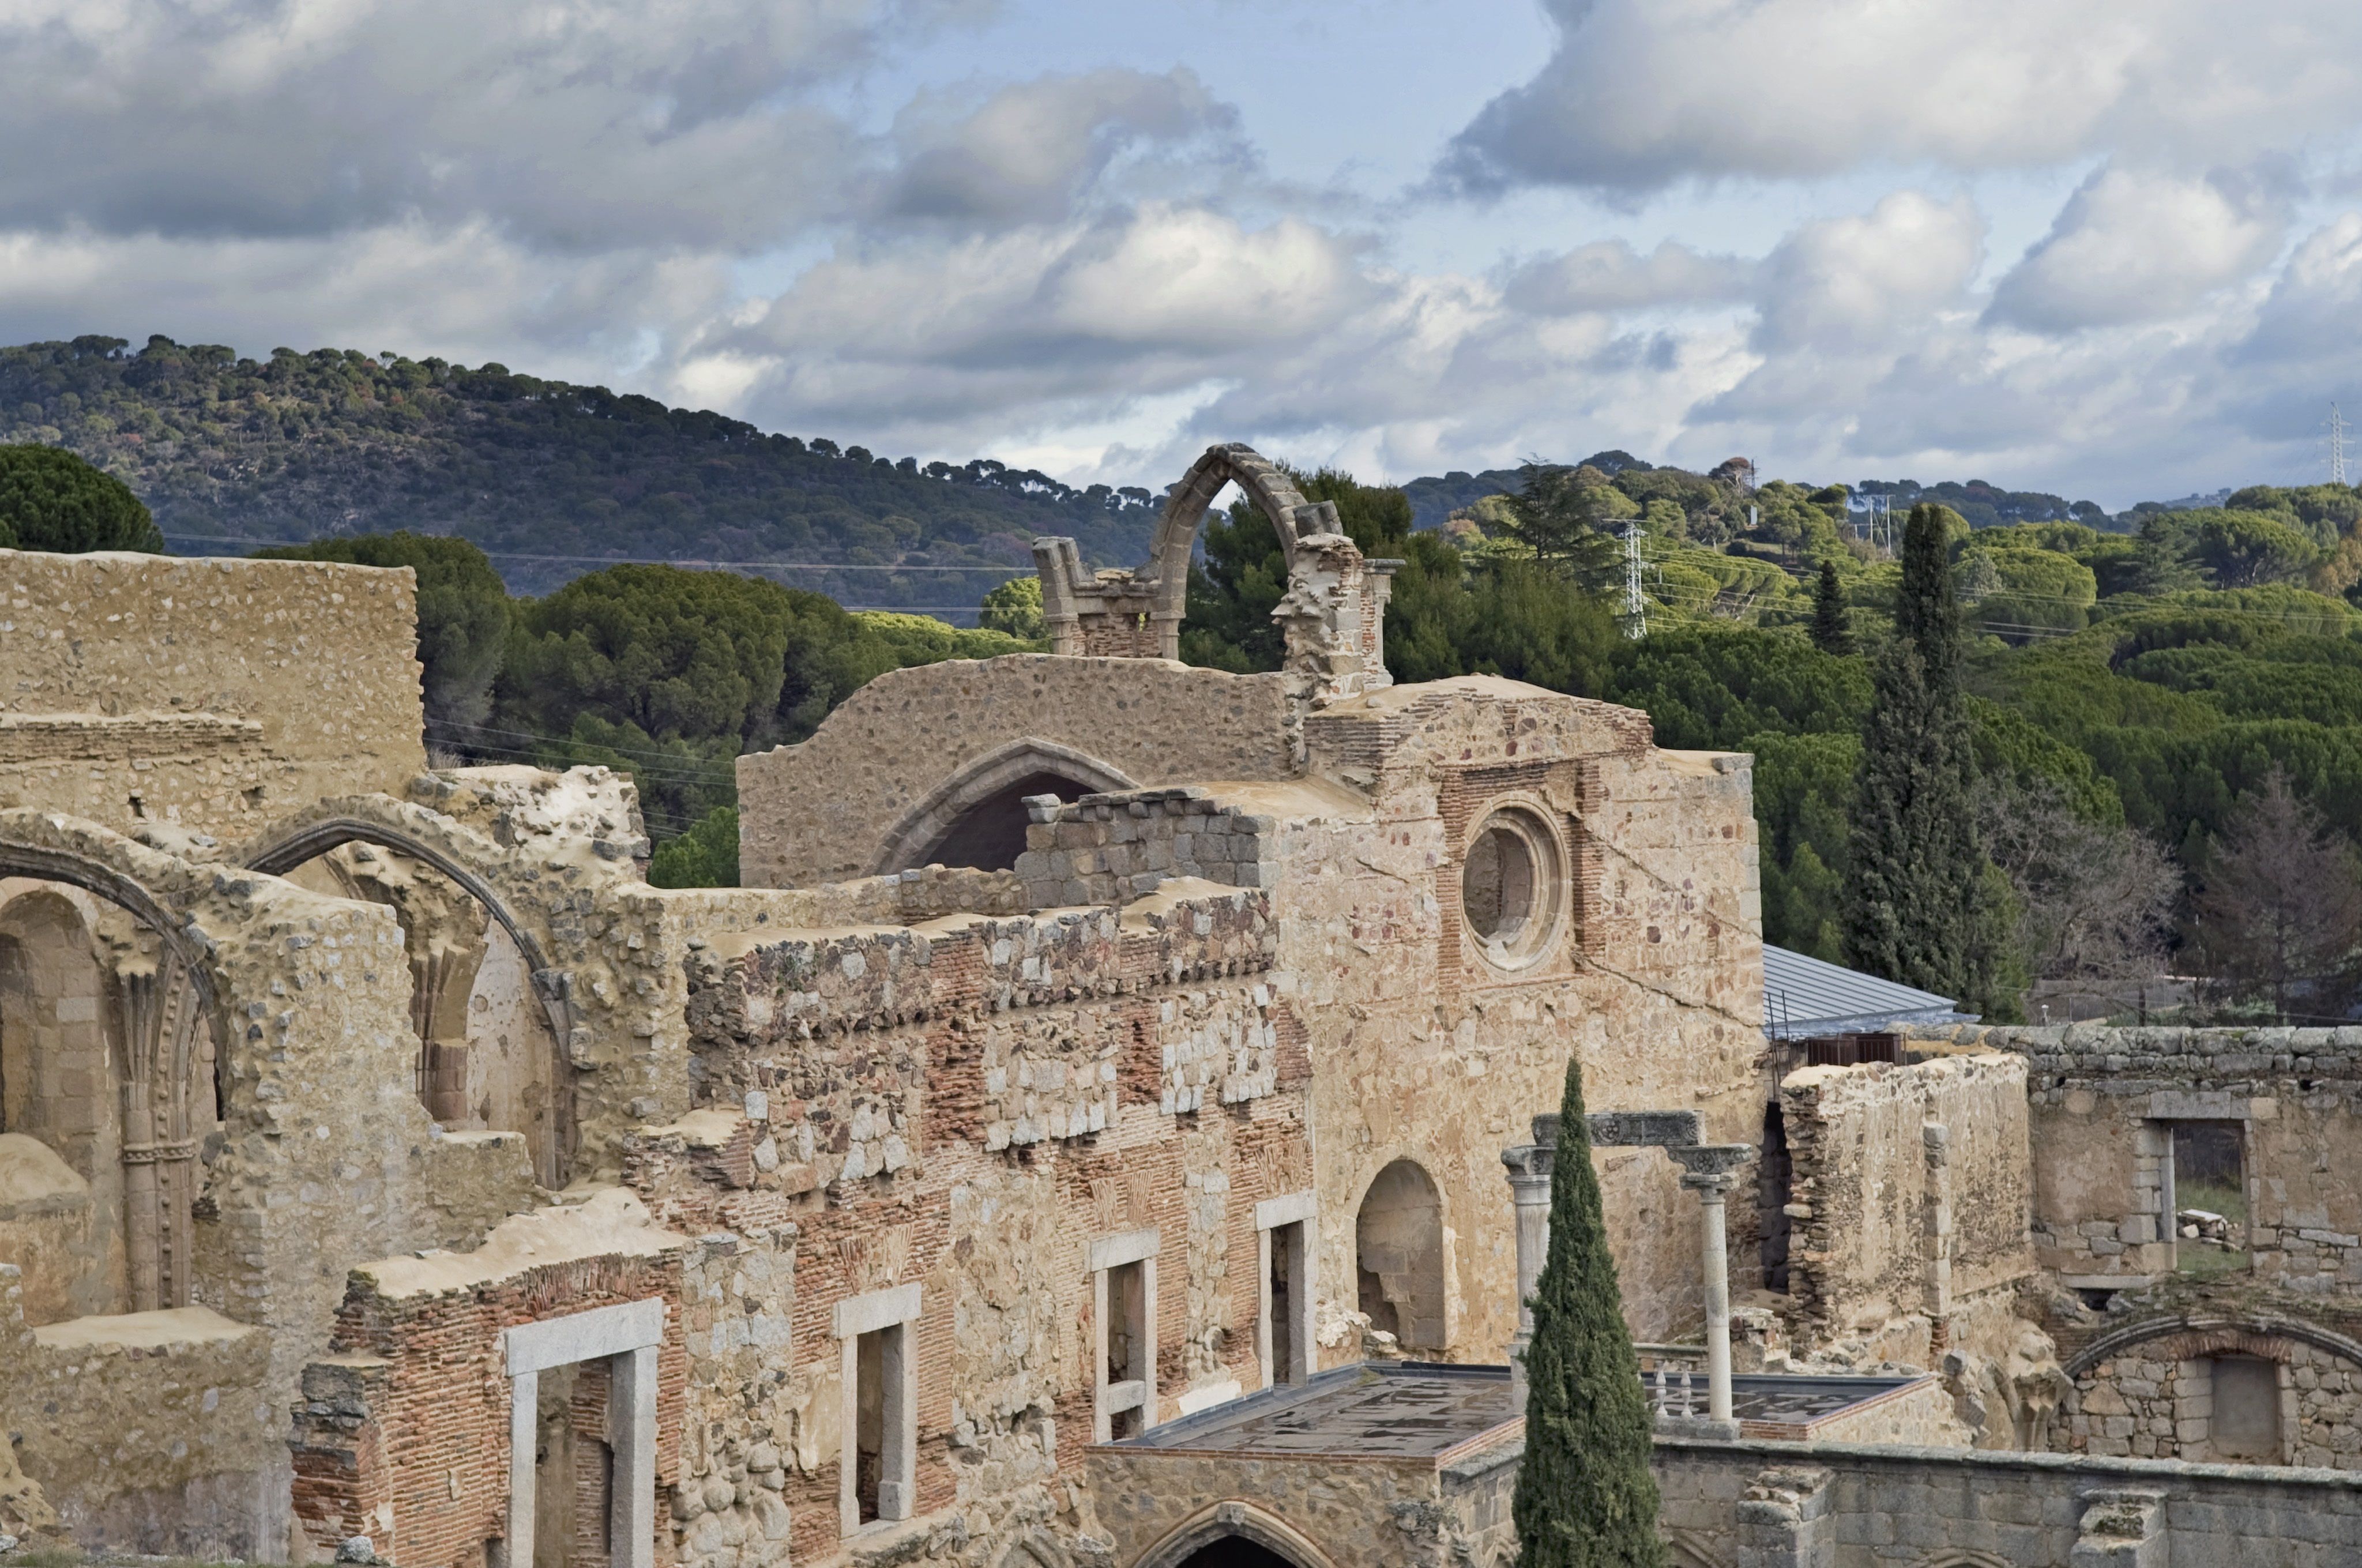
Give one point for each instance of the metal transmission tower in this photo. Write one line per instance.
(1636, 605)
(2336, 446)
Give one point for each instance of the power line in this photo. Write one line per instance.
(644, 560)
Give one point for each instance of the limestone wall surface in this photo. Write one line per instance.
(828, 809)
(212, 694)
(1909, 1198)
(154, 1433)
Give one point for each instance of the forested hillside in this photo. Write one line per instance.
(299, 445)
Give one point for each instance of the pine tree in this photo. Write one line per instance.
(1585, 1497)
(1831, 631)
(1920, 904)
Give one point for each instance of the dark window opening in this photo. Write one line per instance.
(990, 834)
(869, 1423)
(1777, 1173)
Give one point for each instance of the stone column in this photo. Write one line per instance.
(1711, 1171)
(1530, 1165)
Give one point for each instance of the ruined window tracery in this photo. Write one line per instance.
(1512, 888)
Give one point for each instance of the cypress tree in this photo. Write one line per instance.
(1919, 903)
(1585, 1497)
(1832, 634)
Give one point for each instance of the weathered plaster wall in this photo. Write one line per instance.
(1426, 1050)
(1910, 1196)
(213, 694)
(823, 811)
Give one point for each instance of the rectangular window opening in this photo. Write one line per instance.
(1290, 1356)
(2209, 1198)
(869, 1423)
(1127, 1348)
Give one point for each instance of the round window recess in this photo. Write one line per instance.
(1510, 888)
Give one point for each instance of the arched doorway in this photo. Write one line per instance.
(1234, 1552)
(990, 834)
(1398, 1255)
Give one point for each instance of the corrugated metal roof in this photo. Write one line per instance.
(1804, 997)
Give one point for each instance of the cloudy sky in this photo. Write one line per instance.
(2112, 249)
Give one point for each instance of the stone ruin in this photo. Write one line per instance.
(1102, 1050)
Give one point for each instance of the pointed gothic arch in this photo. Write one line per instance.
(975, 807)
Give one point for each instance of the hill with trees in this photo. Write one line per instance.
(339, 442)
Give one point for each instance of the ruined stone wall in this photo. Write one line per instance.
(1429, 1050)
(1843, 1506)
(966, 1105)
(2157, 1398)
(1112, 848)
(2100, 1097)
(402, 1433)
(825, 810)
(213, 694)
(153, 1433)
(1909, 1198)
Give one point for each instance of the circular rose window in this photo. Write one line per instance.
(1511, 888)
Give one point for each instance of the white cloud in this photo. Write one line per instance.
(2141, 246)
(573, 124)
(1849, 284)
(1608, 274)
(1643, 93)
(1031, 151)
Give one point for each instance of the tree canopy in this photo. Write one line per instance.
(52, 499)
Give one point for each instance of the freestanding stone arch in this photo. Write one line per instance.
(996, 779)
(1138, 614)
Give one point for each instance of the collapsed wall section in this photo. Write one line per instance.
(964, 1122)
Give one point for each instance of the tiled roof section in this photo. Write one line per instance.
(1806, 997)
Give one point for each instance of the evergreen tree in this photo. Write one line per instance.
(52, 499)
(1831, 631)
(1585, 1497)
(1564, 522)
(1920, 904)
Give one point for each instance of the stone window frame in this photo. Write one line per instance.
(1290, 1221)
(627, 1338)
(1110, 1400)
(1544, 825)
(2154, 1178)
(890, 1312)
